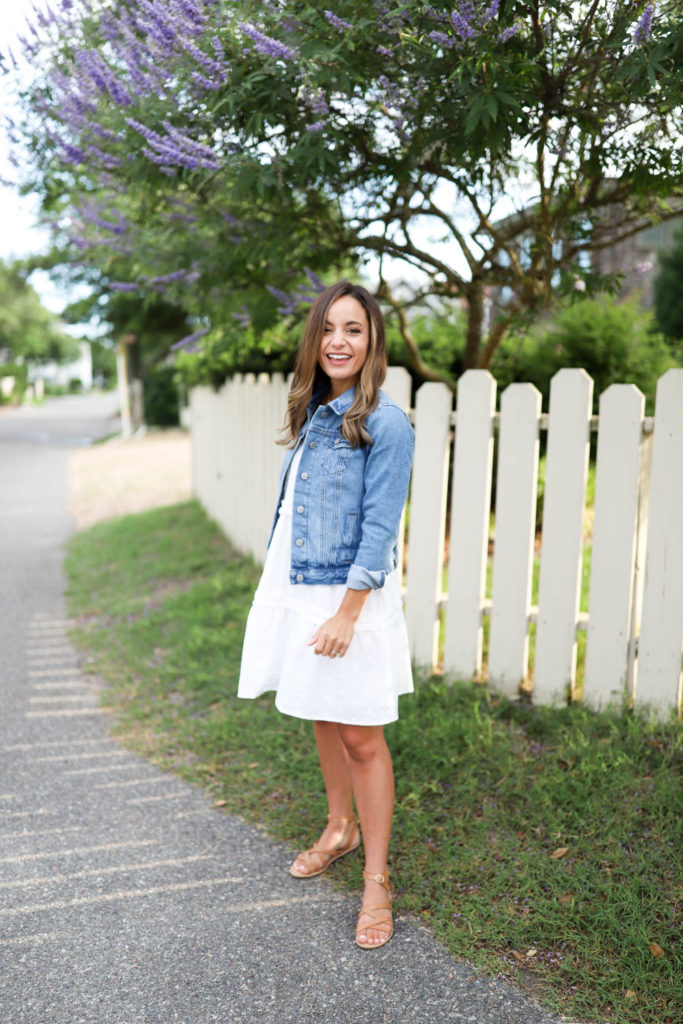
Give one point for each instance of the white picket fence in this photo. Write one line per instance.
(634, 622)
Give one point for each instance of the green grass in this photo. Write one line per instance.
(488, 791)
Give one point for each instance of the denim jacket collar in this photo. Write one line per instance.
(337, 405)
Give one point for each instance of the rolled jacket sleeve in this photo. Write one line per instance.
(385, 489)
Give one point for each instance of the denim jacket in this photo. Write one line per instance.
(348, 501)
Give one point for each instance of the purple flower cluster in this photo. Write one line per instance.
(317, 104)
(188, 343)
(302, 295)
(339, 23)
(267, 46)
(175, 149)
(464, 20)
(243, 318)
(467, 21)
(643, 29)
(509, 32)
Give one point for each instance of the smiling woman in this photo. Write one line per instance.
(344, 344)
(326, 629)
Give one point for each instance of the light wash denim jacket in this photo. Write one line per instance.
(348, 501)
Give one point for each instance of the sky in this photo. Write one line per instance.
(19, 233)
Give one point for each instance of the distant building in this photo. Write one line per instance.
(636, 258)
(64, 374)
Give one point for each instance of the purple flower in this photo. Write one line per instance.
(343, 26)
(266, 46)
(317, 284)
(123, 286)
(509, 32)
(644, 26)
(491, 11)
(441, 39)
(464, 19)
(243, 317)
(189, 341)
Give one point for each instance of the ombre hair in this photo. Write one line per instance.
(309, 377)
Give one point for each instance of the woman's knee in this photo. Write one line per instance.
(362, 742)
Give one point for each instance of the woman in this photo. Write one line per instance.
(326, 628)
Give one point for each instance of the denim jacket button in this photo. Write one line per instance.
(299, 508)
(304, 476)
(299, 578)
(312, 444)
(299, 543)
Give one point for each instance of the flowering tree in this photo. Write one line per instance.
(467, 152)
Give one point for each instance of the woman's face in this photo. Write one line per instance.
(344, 345)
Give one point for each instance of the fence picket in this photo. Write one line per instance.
(398, 385)
(615, 529)
(571, 394)
(427, 520)
(513, 552)
(469, 528)
(661, 637)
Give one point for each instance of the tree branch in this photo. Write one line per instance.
(417, 363)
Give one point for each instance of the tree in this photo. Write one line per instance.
(668, 292)
(472, 153)
(28, 331)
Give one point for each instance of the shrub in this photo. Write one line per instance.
(613, 341)
(162, 400)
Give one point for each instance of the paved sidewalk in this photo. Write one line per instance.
(124, 895)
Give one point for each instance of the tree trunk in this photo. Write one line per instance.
(475, 324)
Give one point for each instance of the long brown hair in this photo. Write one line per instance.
(309, 377)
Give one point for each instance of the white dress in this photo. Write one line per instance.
(363, 687)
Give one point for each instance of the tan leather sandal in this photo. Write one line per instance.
(313, 856)
(379, 917)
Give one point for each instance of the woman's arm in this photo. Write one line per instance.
(385, 489)
(336, 633)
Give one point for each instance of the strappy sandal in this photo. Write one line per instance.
(350, 843)
(377, 918)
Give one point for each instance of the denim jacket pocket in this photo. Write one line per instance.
(338, 452)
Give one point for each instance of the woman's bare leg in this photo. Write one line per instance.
(372, 775)
(334, 762)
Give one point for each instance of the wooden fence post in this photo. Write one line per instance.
(661, 636)
(427, 520)
(470, 513)
(571, 394)
(398, 385)
(513, 552)
(615, 528)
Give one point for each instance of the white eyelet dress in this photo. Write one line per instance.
(363, 687)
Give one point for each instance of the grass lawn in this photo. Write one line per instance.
(539, 844)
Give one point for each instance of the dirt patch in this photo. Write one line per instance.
(122, 476)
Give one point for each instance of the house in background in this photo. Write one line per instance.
(65, 374)
(636, 258)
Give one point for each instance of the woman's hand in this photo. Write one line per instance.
(334, 637)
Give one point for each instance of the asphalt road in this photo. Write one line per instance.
(125, 898)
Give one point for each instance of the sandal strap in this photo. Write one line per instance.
(341, 821)
(371, 912)
(383, 880)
